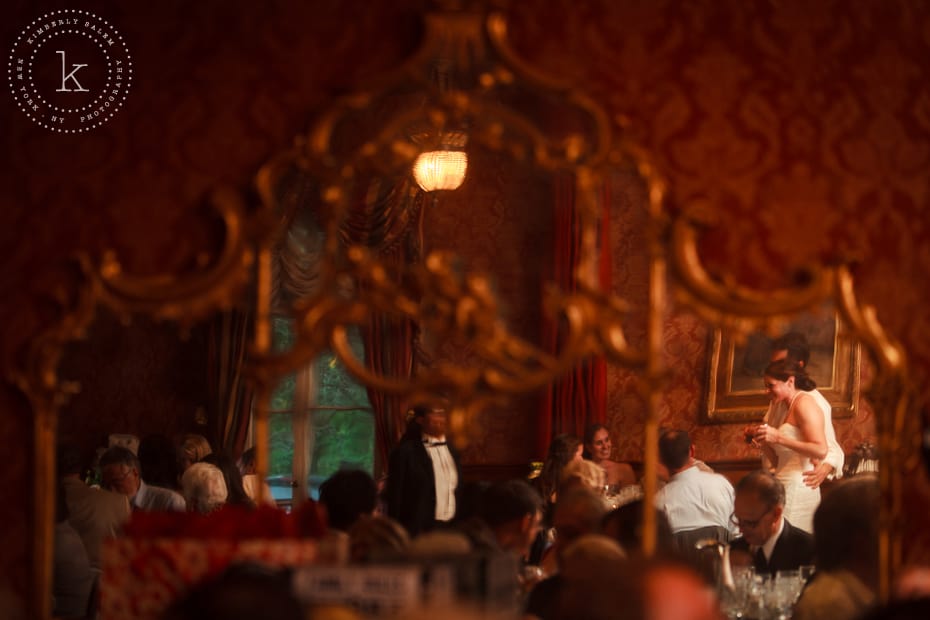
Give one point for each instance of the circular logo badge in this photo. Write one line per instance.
(70, 71)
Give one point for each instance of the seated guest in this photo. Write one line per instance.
(563, 450)
(512, 509)
(625, 525)
(236, 494)
(638, 589)
(586, 473)
(598, 448)
(846, 549)
(242, 592)
(693, 499)
(120, 471)
(375, 537)
(590, 568)
(204, 487)
(347, 495)
(192, 448)
(578, 512)
(769, 542)
(73, 579)
(95, 514)
(257, 490)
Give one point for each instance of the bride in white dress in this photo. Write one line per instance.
(791, 444)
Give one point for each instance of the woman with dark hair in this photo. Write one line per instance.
(598, 448)
(563, 450)
(236, 493)
(795, 444)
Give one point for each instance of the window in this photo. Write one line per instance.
(342, 430)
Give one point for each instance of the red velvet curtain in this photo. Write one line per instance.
(578, 399)
(232, 398)
(388, 351)
(385, 219)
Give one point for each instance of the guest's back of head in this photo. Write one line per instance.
(204, 487)
(579, 511)
(590, 554)
(191, 449)
(637, 589)
(846, 525)
(583, 472)
(674, 449)
(625, 525)
(347, 495)
(241, 593)
(512, 509)
(236, 493)
(374, 537)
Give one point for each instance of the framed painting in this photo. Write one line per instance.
(735, 390)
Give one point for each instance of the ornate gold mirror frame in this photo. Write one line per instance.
(742, 310)
(484, 88)
(454, 304)
(460, 306)
(184, 298)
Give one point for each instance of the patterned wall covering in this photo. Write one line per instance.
(142, 378)
(804, 128)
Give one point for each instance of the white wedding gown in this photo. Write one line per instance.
(800, 500)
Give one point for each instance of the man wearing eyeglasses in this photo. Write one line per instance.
(120, 471)
(772, 543)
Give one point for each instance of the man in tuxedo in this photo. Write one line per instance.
(793, 346)
(423, 473)
(768, 539)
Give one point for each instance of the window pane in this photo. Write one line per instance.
(343, 439)
(281, 450)
(343, 424)
(336, 387)
(282, 333)
(282, 398)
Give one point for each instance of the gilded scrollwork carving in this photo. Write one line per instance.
(742, 309)
(186, 298)
(484, 88)
(181, 297)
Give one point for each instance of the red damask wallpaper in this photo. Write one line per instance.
(802, 128)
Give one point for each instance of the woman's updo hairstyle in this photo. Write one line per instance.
(784, 369)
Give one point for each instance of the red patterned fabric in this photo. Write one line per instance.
(579, 398)
(142, 577)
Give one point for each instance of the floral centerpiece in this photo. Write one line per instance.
(162, 555)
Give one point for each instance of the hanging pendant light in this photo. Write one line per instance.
(443, 169)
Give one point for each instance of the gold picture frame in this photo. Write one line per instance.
(735, 392)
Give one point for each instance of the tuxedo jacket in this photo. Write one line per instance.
(794, 548)
(411, 486)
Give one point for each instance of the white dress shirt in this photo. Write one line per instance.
(694, 498)
(445, 475)
(151, 498)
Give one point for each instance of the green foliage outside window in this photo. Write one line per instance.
(343, 428)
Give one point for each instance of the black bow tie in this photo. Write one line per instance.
(432, 444)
